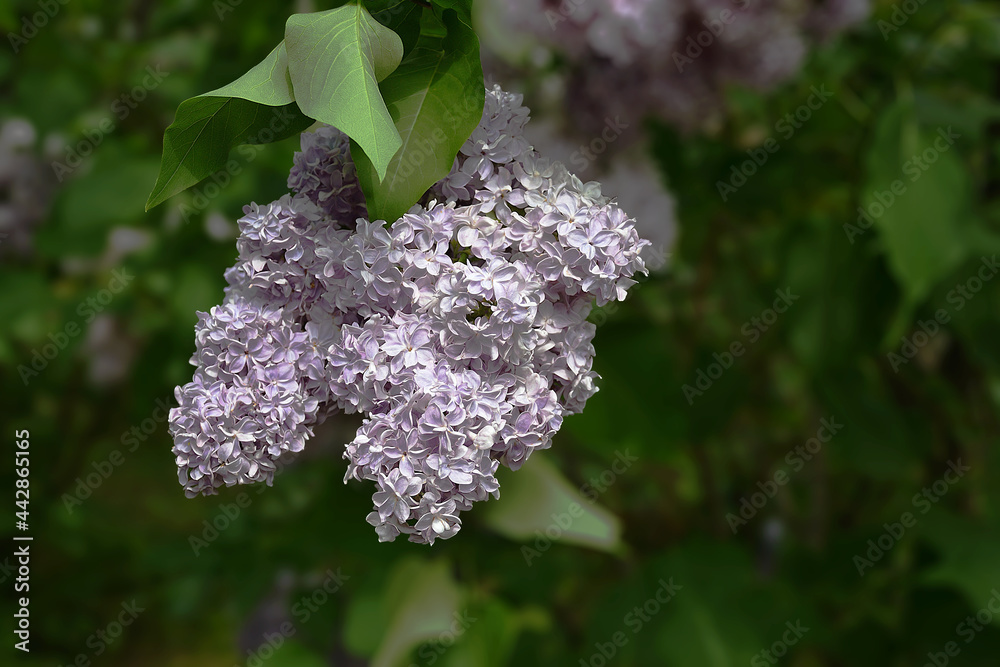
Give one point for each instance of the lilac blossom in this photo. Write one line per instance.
(458, 331)
(671, 58)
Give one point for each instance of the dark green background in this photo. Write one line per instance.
(826, 357)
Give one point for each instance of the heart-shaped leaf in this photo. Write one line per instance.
(917, 195)
(537, 500)
(336, 59)
(257, 108)
(436, 99)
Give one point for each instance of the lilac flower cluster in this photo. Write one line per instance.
(672, 58)
(459, 331)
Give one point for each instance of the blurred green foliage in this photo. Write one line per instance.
(741, 582)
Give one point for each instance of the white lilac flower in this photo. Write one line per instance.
(458, 331)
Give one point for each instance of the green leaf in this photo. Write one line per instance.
(922, 221)
(970, 556)
(536, 495)
(361, 636)
(257, 108)
(267, 83)
(400, 16)
(487, 642)
(423, 600)
(436, 99)
(336, 59)
(463, 7)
